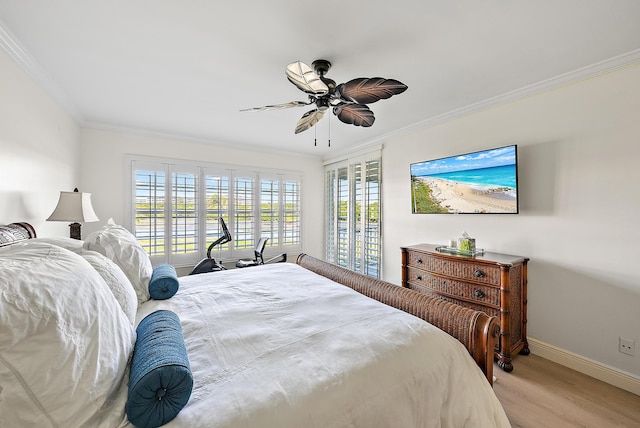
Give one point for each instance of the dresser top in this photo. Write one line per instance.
(487, 257)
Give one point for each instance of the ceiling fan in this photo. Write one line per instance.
(348, 100)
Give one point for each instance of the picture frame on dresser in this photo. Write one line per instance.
(490, 282)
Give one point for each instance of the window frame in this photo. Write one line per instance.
(347, 192)
(202, 170)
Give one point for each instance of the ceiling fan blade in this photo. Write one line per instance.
(278, 106)
(309, 119)
(303, 76)
(355, 114)
(365, 90)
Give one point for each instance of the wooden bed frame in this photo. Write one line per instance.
(477, 331)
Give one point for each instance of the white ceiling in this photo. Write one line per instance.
(186, 67)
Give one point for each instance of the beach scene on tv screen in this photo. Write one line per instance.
(479, 182)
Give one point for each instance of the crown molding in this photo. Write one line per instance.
(148, 133)
(580, 74)
(20, 55)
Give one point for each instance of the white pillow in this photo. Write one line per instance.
(122, 247)
(64, 341)
(116, 280)
(111, 273)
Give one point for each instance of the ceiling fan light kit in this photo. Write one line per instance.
(348, 100)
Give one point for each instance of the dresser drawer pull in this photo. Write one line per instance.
(419, 277)
(478, 273)
(419, 261)
(479, 294)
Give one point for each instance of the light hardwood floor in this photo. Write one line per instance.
(540, 393)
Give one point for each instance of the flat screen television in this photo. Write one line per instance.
(484, 182)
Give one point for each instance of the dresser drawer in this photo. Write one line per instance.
(462, 269)
(483, 295)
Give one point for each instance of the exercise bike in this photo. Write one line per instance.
(210, 264)
(259, 258)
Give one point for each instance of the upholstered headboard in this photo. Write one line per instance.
(15, 232)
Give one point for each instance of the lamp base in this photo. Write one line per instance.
(74, 231)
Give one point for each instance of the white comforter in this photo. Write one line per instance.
(279, 346)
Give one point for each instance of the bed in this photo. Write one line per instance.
(282, 345)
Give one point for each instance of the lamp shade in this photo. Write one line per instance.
(74, 206)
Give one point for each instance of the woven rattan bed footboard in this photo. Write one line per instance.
(476, 330)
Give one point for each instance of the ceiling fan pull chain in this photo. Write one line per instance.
(315, 136)
(329, 130)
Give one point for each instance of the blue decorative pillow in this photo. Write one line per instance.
(160, 380)
(164, 282)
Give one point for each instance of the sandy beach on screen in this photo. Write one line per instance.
(458, 197)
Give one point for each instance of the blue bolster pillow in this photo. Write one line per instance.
(164, 282)
(160, 379)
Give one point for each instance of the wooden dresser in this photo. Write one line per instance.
(493, 283)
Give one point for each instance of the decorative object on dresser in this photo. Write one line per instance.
(491, 282)
(74, 207)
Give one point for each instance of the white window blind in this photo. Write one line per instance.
(270, 210)
(244, 224)
(353, 213)
(148, 210)
(175, 208)
(290, 221)
(184, 213)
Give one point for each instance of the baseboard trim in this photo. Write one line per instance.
(586, 366)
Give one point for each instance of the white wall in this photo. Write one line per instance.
(102, 173)
(579, 182)
(39, 150)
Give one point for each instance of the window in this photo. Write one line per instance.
(149, 210)
(291, 221)
(217, 205)
(352, 203)
(269, 210)
(244, 223)
(175, 209)
(184, 213)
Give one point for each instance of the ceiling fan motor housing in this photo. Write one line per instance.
(322, 103)
(321, 66)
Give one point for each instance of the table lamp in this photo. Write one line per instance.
(75, 207)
